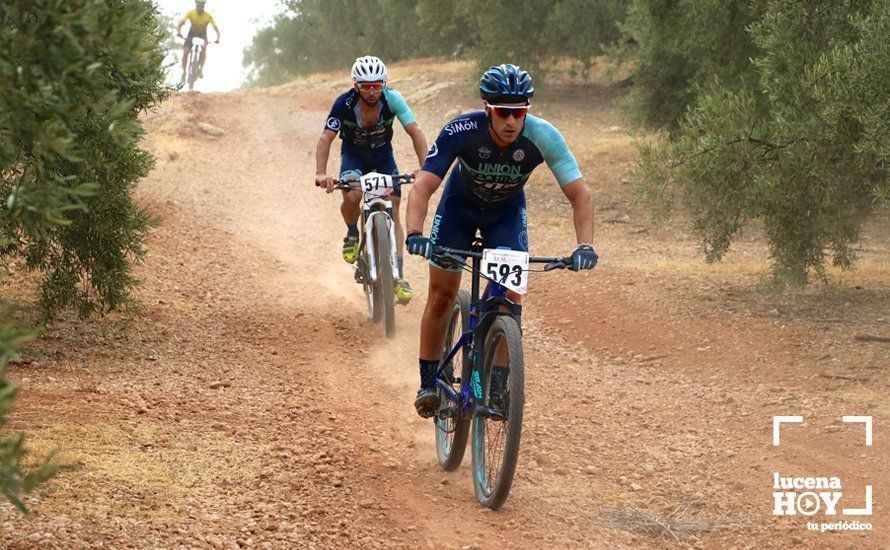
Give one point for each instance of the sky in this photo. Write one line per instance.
(238, 21)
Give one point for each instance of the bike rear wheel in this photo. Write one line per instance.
(453, 430)
(384, 291)
(496, 437)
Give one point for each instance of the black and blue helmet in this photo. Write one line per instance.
(507, 83)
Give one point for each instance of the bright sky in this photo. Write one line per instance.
(238, 21)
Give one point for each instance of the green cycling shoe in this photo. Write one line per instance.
(403, 291)
(350, 249)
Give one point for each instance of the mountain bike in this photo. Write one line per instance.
(484, 332)
(194, 63)
(376, 268)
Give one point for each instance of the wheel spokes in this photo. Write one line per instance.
(495, 436)
(494, 430)
(448, 424)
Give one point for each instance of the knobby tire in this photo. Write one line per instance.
(496, 442)
(385, 284)
(452, 432)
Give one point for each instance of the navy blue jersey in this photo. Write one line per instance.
(489, 175)
(345, 118)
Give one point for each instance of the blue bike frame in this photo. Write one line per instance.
(494, 296)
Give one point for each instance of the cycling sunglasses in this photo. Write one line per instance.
(504, 111)
(371, 86)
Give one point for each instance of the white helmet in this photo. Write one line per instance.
(368, 69)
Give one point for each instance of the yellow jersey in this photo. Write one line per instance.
(199, 21)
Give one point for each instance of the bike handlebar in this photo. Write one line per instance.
(561, 262)
(345, 184)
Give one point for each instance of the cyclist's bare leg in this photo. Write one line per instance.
(442, 293)
(203, 58)
(350, 207)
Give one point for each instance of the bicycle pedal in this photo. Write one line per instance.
(494, 414)
(446, 412)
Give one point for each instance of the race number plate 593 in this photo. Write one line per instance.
(507, 267)
(376, 184)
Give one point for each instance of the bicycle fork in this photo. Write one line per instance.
(372, 245)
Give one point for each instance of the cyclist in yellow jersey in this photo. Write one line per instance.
(198, 20)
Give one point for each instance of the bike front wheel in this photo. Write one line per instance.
(497, 424)
(384, 291)
(193, 67)
(452, 429)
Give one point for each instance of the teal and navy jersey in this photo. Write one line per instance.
(345, 118)
(489, 175)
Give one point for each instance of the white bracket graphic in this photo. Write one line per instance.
(779, 420)
(861, 511)
(867, 421)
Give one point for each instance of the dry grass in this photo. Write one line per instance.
(700, 268)
(135, 470)
(877, 400)
(86, 378)
(674, 525)
(871, 268)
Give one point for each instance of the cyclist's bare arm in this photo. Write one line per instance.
(419, 200)
(582, 209)
(322, 152)
(217, 32)
(179, 28)
(418, 138)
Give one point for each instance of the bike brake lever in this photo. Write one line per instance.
(451, 258)
(562, 264)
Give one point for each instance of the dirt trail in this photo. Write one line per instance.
(248, 401)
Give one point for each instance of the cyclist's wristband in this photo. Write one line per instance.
(412, 233)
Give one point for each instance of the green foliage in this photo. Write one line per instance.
(801, 143)
(578, 29)
(508, 32)
(535, 34)
(15, 480)
(318, 35)
(678, 46)
(165, 24)
(75, 74)
(444, 26)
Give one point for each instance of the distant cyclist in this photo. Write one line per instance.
(497, 149)
(364, 117)
(198, 20)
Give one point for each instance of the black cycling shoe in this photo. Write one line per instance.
(498, 394)
(427, 402)
(499, 400)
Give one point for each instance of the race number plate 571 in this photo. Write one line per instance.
(507, 267)
(376, 184)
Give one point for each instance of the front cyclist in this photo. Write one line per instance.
(198, 20)
(497, 149)
(364, 116)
